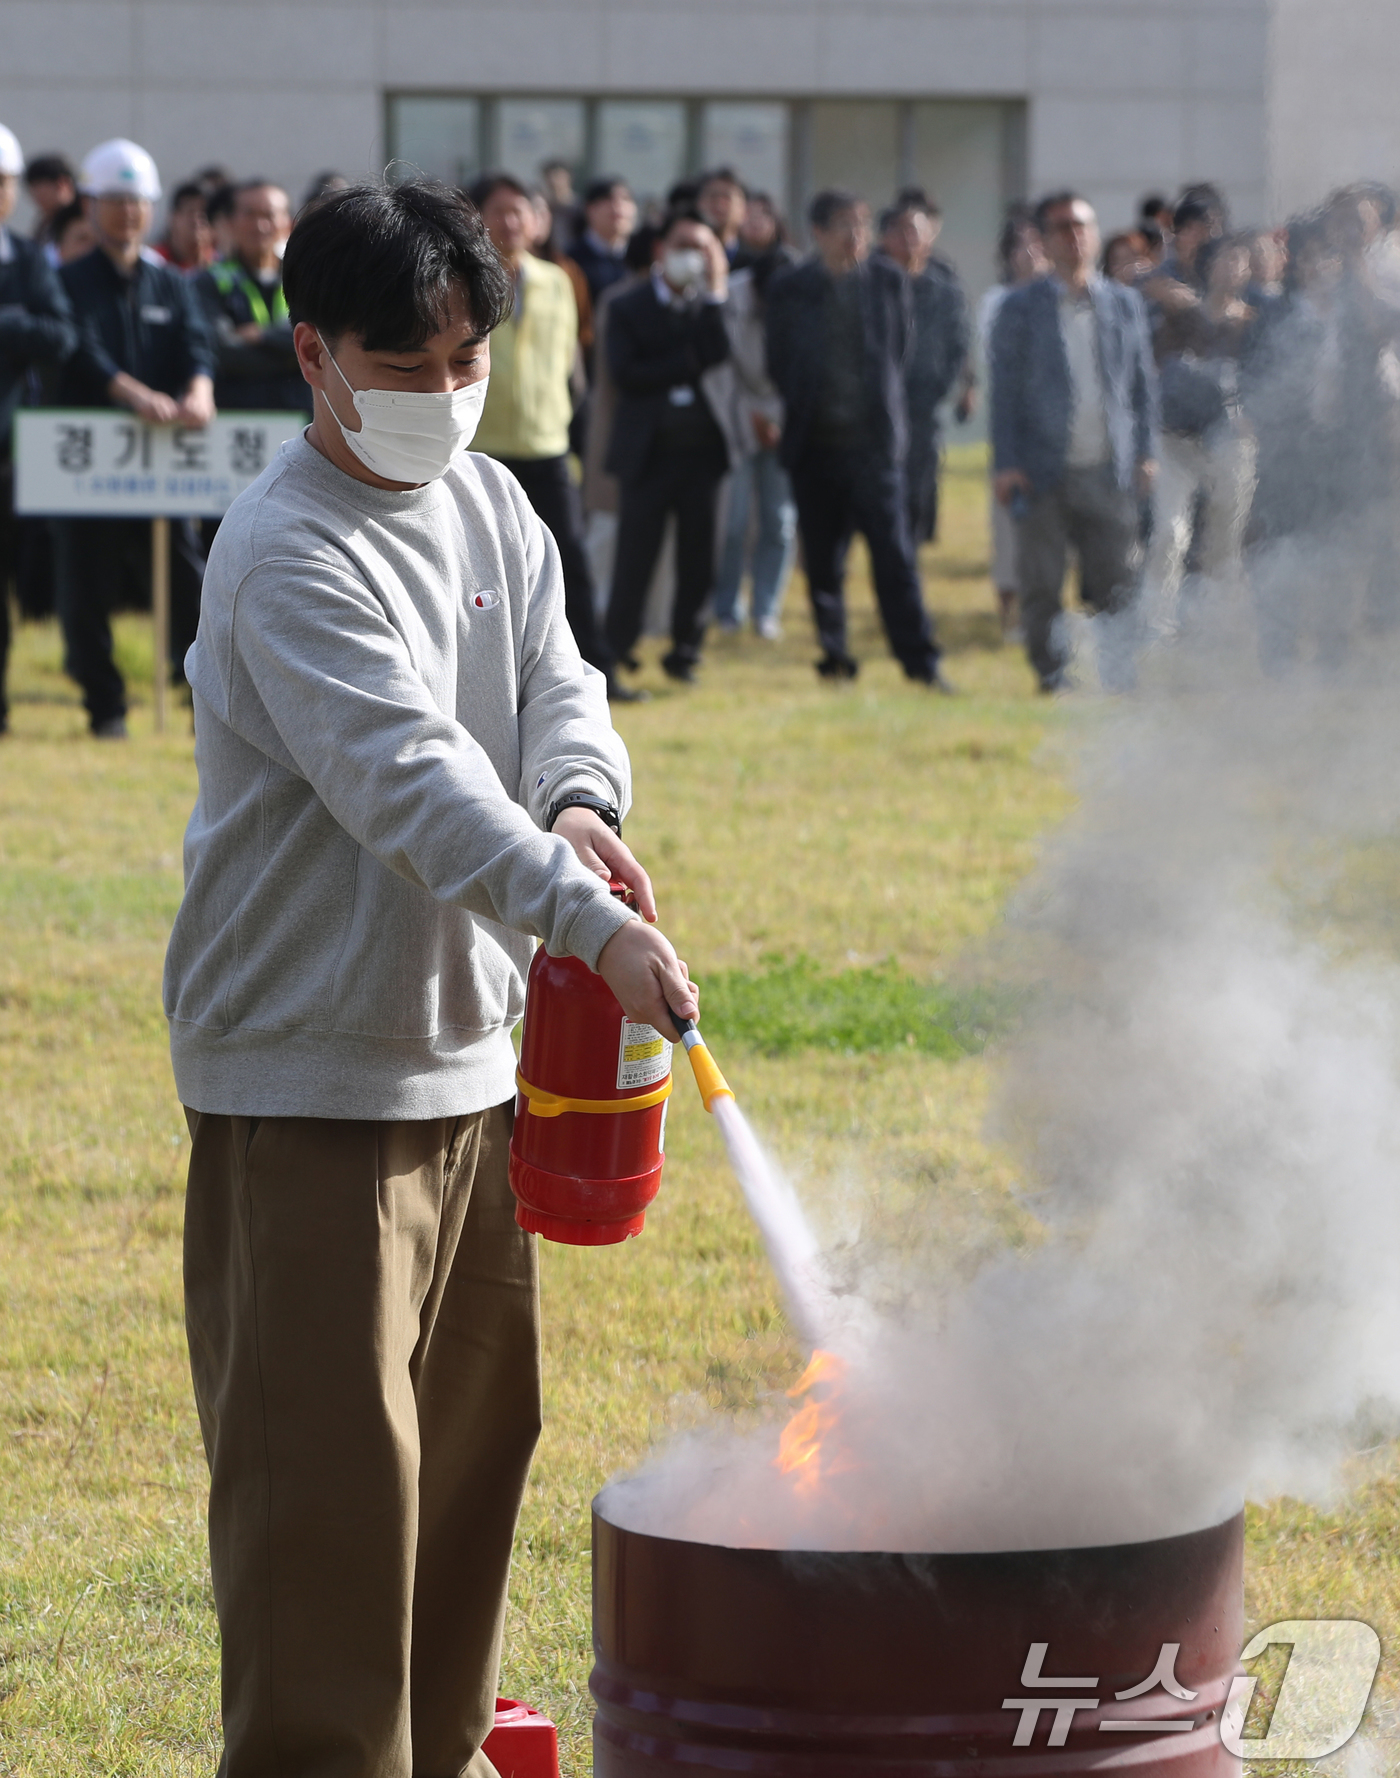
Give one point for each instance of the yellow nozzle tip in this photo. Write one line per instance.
(708, 1078)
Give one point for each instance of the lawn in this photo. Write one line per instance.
(798, 833)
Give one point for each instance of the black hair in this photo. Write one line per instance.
(1194, 209)
(681, 213)
(914, 197)
(641, 248)
(1055, 200)
(683, 194)
(383, 261)
(714, 176)
(183, 193)
(1014, 229)
(482, 190)
(1211, 197)
(826, 206)
(1126, 237)
(237, 191)
(1153, 206)
(214, 178)
(63, 219)
(219, 203)
(47, 169)
(770, 204)
(598, 189)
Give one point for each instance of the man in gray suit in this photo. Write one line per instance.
(1074, 422)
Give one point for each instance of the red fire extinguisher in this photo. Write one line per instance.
(590, 1108)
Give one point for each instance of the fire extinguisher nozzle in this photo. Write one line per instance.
(708, 1078)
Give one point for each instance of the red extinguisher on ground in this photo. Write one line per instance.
(590, 1107)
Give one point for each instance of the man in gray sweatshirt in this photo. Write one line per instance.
(406, 775)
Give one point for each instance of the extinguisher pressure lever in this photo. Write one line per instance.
(708, 1078)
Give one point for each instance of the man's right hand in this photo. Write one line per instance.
(641, 967)
(1006, 482)
(147, 404)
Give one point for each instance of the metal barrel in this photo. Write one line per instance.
(886, 1665)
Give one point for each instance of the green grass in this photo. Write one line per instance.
(827, 859)
(784, 1008)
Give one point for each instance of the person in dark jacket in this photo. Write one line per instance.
(246, 310)
(840, 331)
(667, 450)
(942, 339)
(609, 216)
(36, 332)
(144, 345)
(1074, 434)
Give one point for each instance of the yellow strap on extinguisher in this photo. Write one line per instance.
(543, 1104)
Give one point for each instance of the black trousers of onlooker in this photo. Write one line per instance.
(104, 565)
(840, 492)
(685, 483)
(923, 469)
(550, 490)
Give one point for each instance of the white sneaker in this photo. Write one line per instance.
(769, 628)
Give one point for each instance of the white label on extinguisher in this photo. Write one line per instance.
(643, 1056)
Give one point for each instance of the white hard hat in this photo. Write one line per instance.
(11, 160)
(119, 166)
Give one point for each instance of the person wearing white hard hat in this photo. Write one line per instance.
(36, 331)
(144, 345)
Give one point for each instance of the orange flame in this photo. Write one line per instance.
(800, 1445)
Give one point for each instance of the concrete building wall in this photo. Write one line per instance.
(1334, 90)
(1121, 95)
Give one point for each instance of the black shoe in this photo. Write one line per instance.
(679, 667)
(624, 694)
(630, 661)
(934, 679)
(837, 666)
(113, 729)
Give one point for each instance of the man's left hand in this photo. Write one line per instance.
(197, 405)
(600, 849)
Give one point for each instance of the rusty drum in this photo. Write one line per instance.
(866, 1665)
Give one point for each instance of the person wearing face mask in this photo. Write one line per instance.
(668, 449)
(407, 775)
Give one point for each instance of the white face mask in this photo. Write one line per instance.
(684, 268)
(407, 437)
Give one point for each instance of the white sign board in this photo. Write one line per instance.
(104, 462)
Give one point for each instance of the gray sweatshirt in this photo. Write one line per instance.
(387, 699)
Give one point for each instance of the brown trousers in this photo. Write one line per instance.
(363, 1321)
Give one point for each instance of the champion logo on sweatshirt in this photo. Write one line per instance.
(486, 600)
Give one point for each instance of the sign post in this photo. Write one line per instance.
(160, 614)
(105, 463)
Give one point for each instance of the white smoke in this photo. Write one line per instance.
(1204, 1099)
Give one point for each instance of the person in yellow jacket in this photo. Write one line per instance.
(525, 423)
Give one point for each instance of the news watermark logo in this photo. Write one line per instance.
(1331, 1667)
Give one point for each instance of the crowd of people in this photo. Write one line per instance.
(1195, 409)
(1179, 406)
